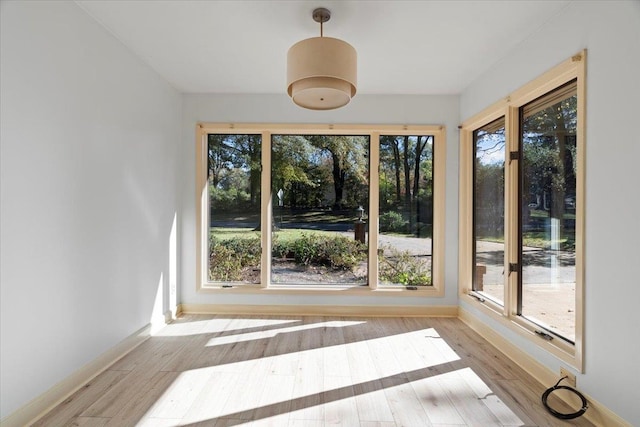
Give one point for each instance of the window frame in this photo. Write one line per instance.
(374, 132)
(509, 107)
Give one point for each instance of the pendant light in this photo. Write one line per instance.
(321, 71)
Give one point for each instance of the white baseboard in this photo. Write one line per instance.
(42, 404)
(324, 310)
(170, 315)
(597, 413)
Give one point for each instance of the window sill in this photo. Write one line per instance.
(427, 291)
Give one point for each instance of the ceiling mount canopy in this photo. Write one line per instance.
(321, 71)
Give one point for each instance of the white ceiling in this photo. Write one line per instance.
(404, 47)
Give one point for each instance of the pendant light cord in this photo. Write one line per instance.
(560, 415)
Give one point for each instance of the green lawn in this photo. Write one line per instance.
(537, 239)
(226, 233)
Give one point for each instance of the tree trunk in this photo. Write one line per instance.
(408, 197)
(254, 148)
(407, 172)
(339, 176)
(396, 158)
(416, 174)
(558, 180)
(415, 207)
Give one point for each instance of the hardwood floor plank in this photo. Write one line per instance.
(339, 406)
(112, 401)
(88, 422)
(482, 391)
(159, 422)
(283, 346)
(405, 405)
(377, 424)
(372, 403)
(428, 344)
(334, 352)
(75, 405)
(370, 398)
(307, 403)
(437, 405)
(385, 355)
(473, 411)
(274, 405)
(181, 394)
(210, 403)
(306, 423)
(243, 398)
(129, 412)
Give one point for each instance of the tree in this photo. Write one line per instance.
(409, 160)
(219, 159)
(291, 167)
(390, 155)
(549, 155)
(237, 158)
(348, 164)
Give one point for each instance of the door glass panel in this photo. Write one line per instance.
(488, 211)
(320, 195)
(548, 211)
(234, 208)
(405, 239)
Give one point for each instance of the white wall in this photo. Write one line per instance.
(425, 110)
(89, 148)
(610, 30)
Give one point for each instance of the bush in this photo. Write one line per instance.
(229, 258)
(228, 200)
(393, 222)
(338, 252)
(404, 268)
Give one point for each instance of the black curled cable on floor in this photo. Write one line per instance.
(560, 415)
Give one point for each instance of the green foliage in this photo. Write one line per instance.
(489, 198)
(393, 222)
(337, 252)
(234, 171)
(320, 170)
(403, 268)
(228, 200)
(229, 258)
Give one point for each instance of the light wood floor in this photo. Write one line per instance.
(310, 371)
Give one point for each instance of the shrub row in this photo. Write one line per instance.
(404, 268)
(337, 252)
(229, 258)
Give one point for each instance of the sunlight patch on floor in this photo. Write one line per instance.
(216, 325)
(328, 383)
(243, 337)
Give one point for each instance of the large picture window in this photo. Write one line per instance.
(349, 208)
(319, 183)
(522, 210)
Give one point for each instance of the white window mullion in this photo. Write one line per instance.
(202, 214)
(511, 205)
(374, 205)
(266, 218)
